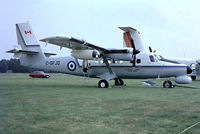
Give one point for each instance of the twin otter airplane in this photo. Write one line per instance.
(94, 61)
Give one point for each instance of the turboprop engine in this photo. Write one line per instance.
(126, 55)
(85, 54)
(183, 79)
(198, 61)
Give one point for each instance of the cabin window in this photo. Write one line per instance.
(121, 62)
(152, 58)
(138, 61)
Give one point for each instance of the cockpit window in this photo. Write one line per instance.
(152, 59)
(157, 56)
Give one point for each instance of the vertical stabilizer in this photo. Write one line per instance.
(25, 36)
(132, 39)
(29, 43)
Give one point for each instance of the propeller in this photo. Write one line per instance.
(151, 51)
(135, 52)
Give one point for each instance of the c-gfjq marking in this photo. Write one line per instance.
(71, 65)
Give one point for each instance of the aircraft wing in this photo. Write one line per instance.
(77, 44)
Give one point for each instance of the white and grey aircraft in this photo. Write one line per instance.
(194, 64)
(97, 62)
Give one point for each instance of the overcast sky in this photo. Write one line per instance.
(172, 27)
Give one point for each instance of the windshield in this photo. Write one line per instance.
(39, 72)
(153, 58)
(158, 56)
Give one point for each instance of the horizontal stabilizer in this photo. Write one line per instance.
(22, 52)
(19, 52)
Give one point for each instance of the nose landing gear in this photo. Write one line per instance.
(167, 84)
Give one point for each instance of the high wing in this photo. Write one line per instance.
(77, 44)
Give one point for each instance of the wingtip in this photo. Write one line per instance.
(127, 29)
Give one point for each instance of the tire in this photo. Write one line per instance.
(103, 84)
(167, 84)
(193, 78)
(119, 82)
(47, 76)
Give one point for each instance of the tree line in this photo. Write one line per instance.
(14, 66)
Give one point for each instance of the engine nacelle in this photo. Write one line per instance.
(122, 56)
(126, 55)
(184, 79)
(198, 61)
(85, 54)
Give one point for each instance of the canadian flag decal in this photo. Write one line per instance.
(27, 32)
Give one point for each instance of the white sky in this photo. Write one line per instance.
(172, 27)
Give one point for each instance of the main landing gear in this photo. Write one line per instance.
(104, 83)
(119, 82)
(193, 78)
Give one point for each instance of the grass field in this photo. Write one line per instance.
(72, 105)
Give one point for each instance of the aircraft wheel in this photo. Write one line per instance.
(47, 76)
(167, 84)
(103, 84)
(119, 82)
(193, 78)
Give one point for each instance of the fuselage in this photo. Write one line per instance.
(146, 66)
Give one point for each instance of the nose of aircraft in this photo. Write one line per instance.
(189, 70)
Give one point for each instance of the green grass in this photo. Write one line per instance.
(72, 105)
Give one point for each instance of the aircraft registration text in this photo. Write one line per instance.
(53, 63)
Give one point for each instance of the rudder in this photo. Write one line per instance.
(132, 39)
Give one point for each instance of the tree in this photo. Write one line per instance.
(3, 66)
(14, 65)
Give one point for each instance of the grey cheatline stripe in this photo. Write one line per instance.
(23, 38)
(145, 66)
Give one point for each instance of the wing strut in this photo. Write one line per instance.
(108, 75)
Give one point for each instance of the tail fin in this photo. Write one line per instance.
(27, 42)
(132, 39)
(26, 37)
(30, 51)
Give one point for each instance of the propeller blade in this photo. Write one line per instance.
(150, 49)
(136, 52)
